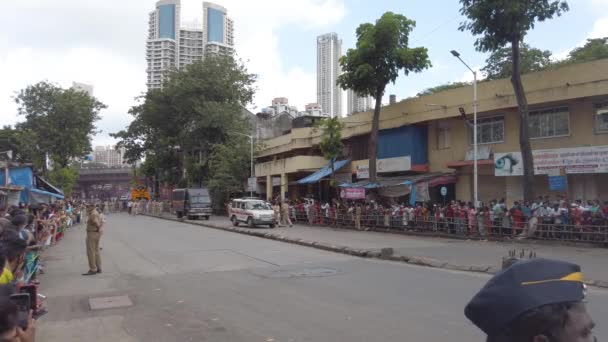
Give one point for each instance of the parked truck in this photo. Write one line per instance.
(191, 203)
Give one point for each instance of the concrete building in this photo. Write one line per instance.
(170, 46)
(281, 105)
(329, 95)
(218, 29)
(191, 46)
(162, 46)
(357, 104)
(87, 88)
(431, 146)
(109, 156)
(314, 109)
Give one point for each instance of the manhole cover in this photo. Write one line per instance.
(304, 273)
(102, 303)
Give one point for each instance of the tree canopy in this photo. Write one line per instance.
(183, 125)
(500, 63)
(60, 122)
(443, 87)
(381, 53)
(592, 50)
(331, 140)
(499, 23)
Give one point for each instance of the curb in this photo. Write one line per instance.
(383, 254)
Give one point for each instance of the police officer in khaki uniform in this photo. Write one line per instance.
(94, 231)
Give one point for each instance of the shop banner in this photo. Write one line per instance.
(352, 193)
(592, 159)
(396, 164)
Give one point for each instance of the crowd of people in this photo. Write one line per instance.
(26, 230)
(545, 218)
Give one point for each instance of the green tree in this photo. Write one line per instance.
(592, 50)
(62, 121)
(22, 143)
(500, 63)
(179, 127)
(331, 142)
(500, 23)
(443, 87)
(229, 166)
(382, 52)
(65, 178)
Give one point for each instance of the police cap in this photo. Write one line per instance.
(524, 286)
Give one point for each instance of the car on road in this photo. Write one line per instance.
(253, 212)
(191, 203)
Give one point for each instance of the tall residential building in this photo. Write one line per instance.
(191, 47)
(170, 46)
(218, 28)
(356, 103)
(162, 50)
(329, 95)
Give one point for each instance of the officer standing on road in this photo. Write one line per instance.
(94, 232)
(537, 300)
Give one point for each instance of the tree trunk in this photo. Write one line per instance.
(373, 137)
(524, 134)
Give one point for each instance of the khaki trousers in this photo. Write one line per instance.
(93, 251)
(285, 220)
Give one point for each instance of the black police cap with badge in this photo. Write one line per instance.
(524, 286)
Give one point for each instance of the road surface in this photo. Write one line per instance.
(189, 283)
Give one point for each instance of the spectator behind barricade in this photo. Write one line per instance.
(14, 248)
(9, 329)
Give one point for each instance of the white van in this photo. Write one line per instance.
(253, 212)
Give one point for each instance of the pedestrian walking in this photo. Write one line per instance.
(285, 220)
(94, 232)
(358, 217)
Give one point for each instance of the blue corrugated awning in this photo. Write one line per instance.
(323, 172)
(42, 192)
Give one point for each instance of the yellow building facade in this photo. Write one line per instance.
(569, 110)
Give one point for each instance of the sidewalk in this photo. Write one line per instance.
(464, 255)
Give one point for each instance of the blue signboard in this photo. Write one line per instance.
(558, 183)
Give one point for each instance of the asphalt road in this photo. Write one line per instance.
(190, 283)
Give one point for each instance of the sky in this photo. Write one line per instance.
(102, 43)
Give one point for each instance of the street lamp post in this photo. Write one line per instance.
(251, 160)
(475, 173)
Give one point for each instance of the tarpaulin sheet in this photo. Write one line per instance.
(323, 172)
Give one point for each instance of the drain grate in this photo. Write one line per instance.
(103, 303)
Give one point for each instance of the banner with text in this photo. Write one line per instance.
(386, 165)
(352, 193)
(592, 159)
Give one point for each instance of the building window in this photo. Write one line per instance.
(548, 123)
(601, 117)
(490, 130)
(443, 134)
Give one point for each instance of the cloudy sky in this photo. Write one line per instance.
(102, 43)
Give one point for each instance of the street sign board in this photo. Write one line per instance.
(352, 193)
(251, 184)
